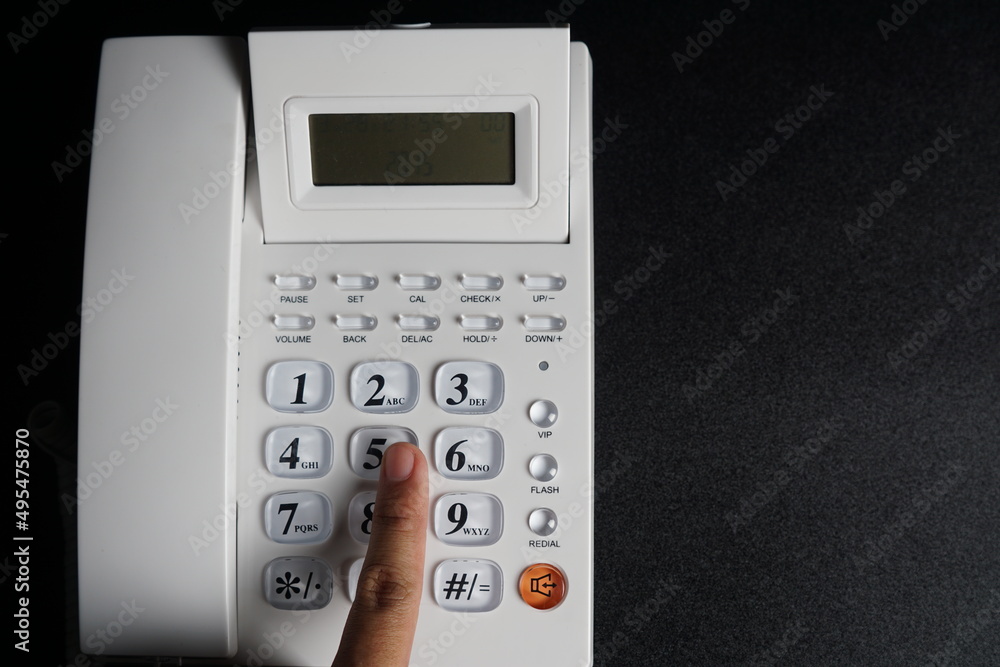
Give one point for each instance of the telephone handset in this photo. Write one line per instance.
(401, 251)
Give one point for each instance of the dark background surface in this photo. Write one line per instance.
(819, 487)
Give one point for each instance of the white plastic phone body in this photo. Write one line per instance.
(174, 366)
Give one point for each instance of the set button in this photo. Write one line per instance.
(356, 281)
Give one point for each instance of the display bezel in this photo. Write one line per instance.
(523, 193)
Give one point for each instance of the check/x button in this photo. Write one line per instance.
(544, 322)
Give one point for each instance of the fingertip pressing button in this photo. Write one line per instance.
(543, 413)
(543, 467)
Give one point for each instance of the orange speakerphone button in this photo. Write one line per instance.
(543, 586)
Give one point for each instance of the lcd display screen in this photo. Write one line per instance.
(390, 149)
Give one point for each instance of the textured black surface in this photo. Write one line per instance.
(818, 490)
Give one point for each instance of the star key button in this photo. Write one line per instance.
(543, 586)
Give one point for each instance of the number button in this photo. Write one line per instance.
(468, 519)
(302, 452)
(298, 583)
(298, 517)
(468, 585)
(369, 443)
(386, 387)
(299, 386)
(469, 453)
(469, 387)
(360, 513)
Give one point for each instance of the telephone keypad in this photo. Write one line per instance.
(369, 443)
(360, 513)
(468, 519)
(299, 386)
(468, 585)
(469, 453)
(298, 583)
(469, 387)
(384, 387)
(298, 517)
(302, 452)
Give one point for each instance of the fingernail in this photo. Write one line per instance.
(399, 463)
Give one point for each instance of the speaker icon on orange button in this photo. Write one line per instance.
(543, 586)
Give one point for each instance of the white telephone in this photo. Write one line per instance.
(402, 251)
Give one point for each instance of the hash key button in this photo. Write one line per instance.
(468, 585)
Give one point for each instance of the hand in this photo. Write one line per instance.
(380, 627)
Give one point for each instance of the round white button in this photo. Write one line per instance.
(543, 521)
(543, 467)
(543, 413)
